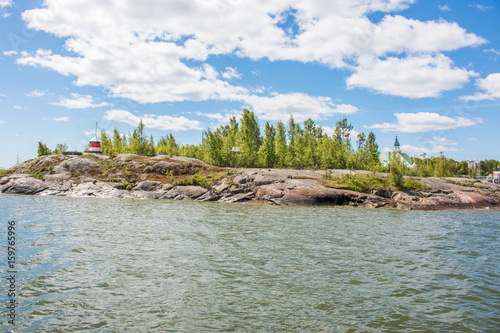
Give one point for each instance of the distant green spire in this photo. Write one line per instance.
(396, 143)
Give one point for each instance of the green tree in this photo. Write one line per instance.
(311, 134)
(294, 133)
(280, 145)
(60, 148)
(106, 144)
(43, 149)
(267, 154)
(212, 147)
(138, 142)
(397, 170)
(119, 142)
(167, 146)
(249, 140)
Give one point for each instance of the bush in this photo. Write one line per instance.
(200, 180)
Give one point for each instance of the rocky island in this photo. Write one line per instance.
(183, 178)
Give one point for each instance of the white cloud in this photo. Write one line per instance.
(221, 118)
(77, 101)
(36, 93)
(473, 139)
(492, 50)
(2, 121)
(231, 73)
(18, 107)
(481, 7)
(156, 51)
(414, 77)
(491, 87)
(299, 105)
(330, 131)
(444, 8)
(163, 122)
(5, 3)
(9, 53)
(424, 122)
(61, 119)
(436, 145)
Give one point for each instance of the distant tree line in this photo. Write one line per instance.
(243, 145)
(290, 145)
(44, 150)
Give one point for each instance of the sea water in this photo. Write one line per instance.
(122, 265)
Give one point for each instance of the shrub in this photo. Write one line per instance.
(4, 173)
(199, 180)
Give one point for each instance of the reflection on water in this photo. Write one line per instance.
(128, 265)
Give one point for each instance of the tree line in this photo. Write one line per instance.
(241, 144)
(290, 145)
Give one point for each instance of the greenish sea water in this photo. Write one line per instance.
(118, 265)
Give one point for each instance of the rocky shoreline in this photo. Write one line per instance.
(182, 178)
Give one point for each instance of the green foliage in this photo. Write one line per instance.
(397, 170)
(465, 183)
(60, 148)
(282, 146)
(201, 181)
(38, 175)
(369, 183)
(4, 173)
(90, 157)
(43, 149)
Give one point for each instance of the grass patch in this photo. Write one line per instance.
(197, 179)
(467, 184)
(90, 157)
(4, 173)
(366, 184)
(38, 175)
(113, 180)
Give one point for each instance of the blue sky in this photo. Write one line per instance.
(426, 70)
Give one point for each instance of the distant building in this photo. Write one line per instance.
(404, 158)
(94, 144)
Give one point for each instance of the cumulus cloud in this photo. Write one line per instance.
(300, 106)
(9, 53)
(491, 87)
(61, 119)
(414, 77)
(157, 51)
(77, 101)
(5, 3)
(163, 122)
(424, 122)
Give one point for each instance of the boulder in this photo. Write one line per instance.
(81, 165)
(164, 166)
(147, 185)
(23, 185)
(185, 192)
(124, 157)
(58, 178)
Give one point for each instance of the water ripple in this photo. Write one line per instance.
(106, 265)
